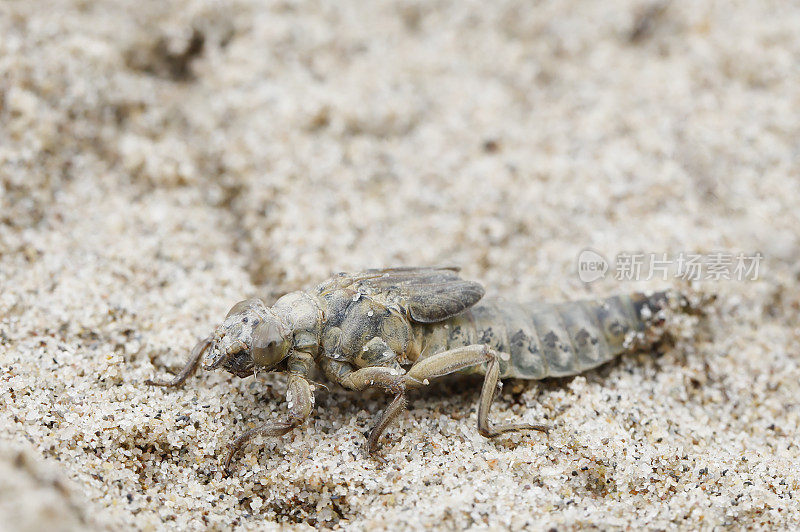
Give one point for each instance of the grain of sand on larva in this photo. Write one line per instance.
(160, 161)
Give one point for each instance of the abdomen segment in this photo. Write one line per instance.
(550, 340)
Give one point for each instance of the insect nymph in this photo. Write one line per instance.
(400, 328)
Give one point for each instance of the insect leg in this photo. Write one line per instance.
(189, 369)
(395, 408)
(274, 428)
(485, 427)
(300, 399)
(392, 381)
(459, 358)
(450, 361)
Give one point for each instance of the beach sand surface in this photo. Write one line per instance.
(160, 161)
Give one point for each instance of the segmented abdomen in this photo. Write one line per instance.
(549, 340)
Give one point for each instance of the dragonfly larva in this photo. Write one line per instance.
(400, 328)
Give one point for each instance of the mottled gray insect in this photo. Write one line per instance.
(399, 328)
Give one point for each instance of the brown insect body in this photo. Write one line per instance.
(399, 328)
(370, 321)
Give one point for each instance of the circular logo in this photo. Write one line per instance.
(591, 266)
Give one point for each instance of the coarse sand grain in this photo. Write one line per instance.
(160, 161)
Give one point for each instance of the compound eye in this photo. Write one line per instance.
(269, 345)
(267, 334)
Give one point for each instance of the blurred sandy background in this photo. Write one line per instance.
(160, 161)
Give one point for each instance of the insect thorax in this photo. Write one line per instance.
(363, 330)
(303, 313)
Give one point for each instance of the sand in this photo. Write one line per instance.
(161, 161)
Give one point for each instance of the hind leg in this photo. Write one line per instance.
(490, 385)
(460, 358)
(422, 372)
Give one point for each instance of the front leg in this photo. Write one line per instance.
(189, 369)
(299, 398)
